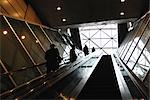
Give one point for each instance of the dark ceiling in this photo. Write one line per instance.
(79, 12)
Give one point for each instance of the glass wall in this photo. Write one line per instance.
(142, 66)
(135, 50)
(41, 36)
(26, 75)
(21, 48)
(136, 40)
(131, 41)
(60, 44)
(5, 83)
(27, 38)
(139, 47)
(104, 38)
(12, 54)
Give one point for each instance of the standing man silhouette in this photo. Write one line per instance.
(73, 55)
(85, 50)
(93, 49)
(52, 59)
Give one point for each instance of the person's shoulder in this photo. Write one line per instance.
(48, 50)
(55, 49)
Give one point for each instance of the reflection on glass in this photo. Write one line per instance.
(33, 48)
(5, 83)
(41, 36)
(143, 65)
(12, 54)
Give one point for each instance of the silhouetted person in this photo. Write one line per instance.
(93, 49)
(85, 50)
(73, 55)
(53, 59)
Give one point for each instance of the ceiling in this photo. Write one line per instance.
(82, 12)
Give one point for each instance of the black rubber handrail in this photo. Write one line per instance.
(24, 68)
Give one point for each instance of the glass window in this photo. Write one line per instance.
(138, 32)
(129, 52)
(132, 35)
(61, 48)
(100, 36)
(5, 83)
(50, 34)
(143, 65)
(55, 35)
(41, 36)
(26, 75)
(12, 55)
(124, 45)
(138, 48)
(28, 40)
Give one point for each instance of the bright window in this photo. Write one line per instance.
(102, 37)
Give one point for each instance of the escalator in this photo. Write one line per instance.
(102, 84)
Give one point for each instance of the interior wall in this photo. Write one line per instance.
(18, 9)
(122, 32)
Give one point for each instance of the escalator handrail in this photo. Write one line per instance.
(23, 68)
(26, 83)
(58, 77)
(137, 82)
(124, 90)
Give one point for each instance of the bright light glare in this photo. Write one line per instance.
(58, 8)
(23, 37)
(5, 32)
(63, 19)
(122, 13)
(122, 0)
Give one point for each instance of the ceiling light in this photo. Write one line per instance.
(121, 13)
(58, 8)
(63, 19)
(5, 32)
(23, 37)
(122, 0)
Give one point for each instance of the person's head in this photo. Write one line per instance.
(52, 45)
